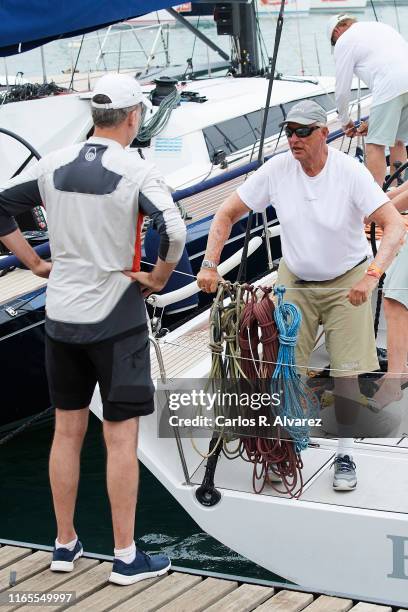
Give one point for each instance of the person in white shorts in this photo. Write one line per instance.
(377, 54)
(396, 313)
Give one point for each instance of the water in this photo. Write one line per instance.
(304, 45)
(25, 509)
(26, 513)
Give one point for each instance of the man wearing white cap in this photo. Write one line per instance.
(96, 194)
(321, 197)
(377, 54)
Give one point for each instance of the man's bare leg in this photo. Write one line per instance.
(397, 348)
(398, 153)
(70, 430)
(375, 157)
(122, 477)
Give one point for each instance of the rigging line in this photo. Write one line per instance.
(76, 63)
(302, 66)
(271, 78)
(232, 356)
(397, 16)
(373, 7)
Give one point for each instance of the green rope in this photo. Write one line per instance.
(160, 119)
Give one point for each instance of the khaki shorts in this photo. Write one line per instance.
(349, 330)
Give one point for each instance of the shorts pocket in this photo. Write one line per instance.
(131, 379)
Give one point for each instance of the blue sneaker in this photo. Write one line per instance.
(143, 566)
(63, 559)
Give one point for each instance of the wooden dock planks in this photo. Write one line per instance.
(202, 595)
(175, 592)
(286, 601)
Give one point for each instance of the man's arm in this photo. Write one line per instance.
(399, 197)
(156, 202)
(344, 60)
(16, 243)
(230, 211)
(18, 195)
(387, 217)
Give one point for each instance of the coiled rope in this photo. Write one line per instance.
(160, 119)
(245, 347)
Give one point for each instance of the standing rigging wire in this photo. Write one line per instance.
(373, 7)
(76, 64)
(190, 59)
(397, 16)
(302, 66)
(271, 77)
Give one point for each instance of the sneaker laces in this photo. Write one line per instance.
(343, 464)
(145, 556)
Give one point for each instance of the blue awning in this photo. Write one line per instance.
(26, 24)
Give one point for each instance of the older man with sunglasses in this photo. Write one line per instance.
(321, 197)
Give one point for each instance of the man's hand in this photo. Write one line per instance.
(362, 129)
(148, 281)
(349, 129)
(362, 290)
(208, 279)
(42, 268)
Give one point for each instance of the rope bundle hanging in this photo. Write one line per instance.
(246, 347)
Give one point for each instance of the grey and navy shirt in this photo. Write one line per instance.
(95, 194)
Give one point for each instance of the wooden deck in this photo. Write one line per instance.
(179, 591)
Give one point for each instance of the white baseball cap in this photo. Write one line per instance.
(335, 20)
(122, 90)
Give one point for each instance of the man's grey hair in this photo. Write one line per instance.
(109, 117)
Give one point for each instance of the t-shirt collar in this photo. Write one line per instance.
(104, 141)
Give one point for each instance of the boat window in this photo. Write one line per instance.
(241, 132)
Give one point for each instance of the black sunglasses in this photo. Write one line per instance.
(301, 132)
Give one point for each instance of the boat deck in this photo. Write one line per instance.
(17, 283)
(180, 590)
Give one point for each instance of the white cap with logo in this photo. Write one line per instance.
(334, 21)
(122, 90)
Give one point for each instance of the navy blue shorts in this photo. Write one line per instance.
(121, 366)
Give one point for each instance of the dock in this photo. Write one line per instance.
(24, 569)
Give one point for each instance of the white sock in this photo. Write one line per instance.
(70, 545)
(126, 555)
(345, 446)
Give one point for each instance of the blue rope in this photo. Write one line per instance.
(297, 401)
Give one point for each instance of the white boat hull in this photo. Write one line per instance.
(352, 544)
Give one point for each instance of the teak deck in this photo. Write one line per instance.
(178, 591)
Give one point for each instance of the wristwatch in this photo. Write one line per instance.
(211, 265)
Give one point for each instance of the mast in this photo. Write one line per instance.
(248, 39)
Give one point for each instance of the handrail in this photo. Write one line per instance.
(172, 297)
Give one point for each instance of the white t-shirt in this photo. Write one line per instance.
(378, 55)
(321, 217)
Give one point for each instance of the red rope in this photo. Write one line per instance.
(257, 327)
